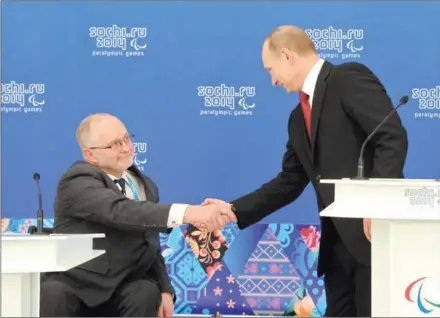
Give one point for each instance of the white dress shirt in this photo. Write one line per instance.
(177, 211)
(311, 79)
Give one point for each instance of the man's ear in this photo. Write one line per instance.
(285, 54)
(88, 155)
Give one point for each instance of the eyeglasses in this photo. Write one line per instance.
(118, 144)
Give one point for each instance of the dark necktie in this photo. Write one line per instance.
(121, 182)
(307, 111)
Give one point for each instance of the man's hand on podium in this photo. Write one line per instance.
(367, 228)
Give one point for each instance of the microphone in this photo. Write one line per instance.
(360, 168)
(40, 214)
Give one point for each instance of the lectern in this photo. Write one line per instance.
(25, 256)
(405, 230)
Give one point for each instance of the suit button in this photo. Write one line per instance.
(318, 178)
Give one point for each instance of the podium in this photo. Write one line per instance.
(25, 256)
(405, 246)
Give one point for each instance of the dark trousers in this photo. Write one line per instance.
(139, 298)
(347, 285)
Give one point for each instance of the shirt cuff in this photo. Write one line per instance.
(176, 215)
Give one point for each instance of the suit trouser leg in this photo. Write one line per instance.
(139, 298)
(59, 300)
(362, 277)
(347, 285)
(339, 283)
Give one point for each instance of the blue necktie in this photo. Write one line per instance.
(121, 182)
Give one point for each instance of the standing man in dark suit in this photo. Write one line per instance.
(339, 107)
(107, 194)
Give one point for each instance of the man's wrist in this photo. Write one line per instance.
(171, 294)
(188, 216)
(233, 209)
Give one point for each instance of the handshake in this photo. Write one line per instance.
(212, 214)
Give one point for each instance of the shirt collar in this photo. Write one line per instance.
(124, 176)
(312, 78)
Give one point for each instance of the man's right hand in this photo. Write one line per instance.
(211, 217)
(225, 208)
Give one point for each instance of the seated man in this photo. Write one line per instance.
(107, 194)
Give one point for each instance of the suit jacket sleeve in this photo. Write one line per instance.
(159, 271)
(82, 194)
(275, 194)
(365, 99)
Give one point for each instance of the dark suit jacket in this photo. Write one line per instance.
(88, 201)
(349, 102)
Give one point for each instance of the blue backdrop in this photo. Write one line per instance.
(187, 79)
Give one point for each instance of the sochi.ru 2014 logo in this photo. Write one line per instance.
(424, 304)
(140, 149)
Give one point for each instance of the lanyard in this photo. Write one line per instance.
(133, 188)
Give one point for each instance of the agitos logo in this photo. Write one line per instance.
(422, 301)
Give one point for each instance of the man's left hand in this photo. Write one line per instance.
(166, 308)
(367, 228)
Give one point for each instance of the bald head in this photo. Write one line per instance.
(89, 129)
(292, 38)
(105, 143)
(288, 55)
